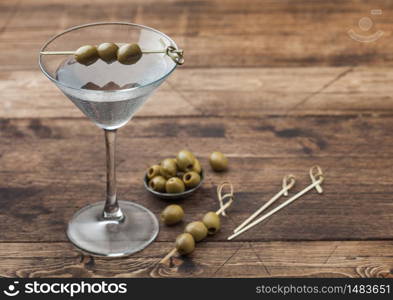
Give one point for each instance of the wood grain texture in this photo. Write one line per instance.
(256, 92)
(277, 85)
(211, 259)
(55, 166)
(216, 33)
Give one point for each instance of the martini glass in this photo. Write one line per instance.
(109, 95)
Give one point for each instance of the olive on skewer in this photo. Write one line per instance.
(185, 243)
(86, 55)
(212, 222)
(197, 231)
(127, 54)
(108, 52)
(194, 232)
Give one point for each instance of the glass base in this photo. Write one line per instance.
(88, 231)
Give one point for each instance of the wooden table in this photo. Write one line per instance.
(278, 86)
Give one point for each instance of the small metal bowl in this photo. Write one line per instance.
(178, 196)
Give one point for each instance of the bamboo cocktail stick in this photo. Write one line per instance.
(284, 191)
(316, 183)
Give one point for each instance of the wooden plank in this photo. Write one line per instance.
(312, 259)
(270, 137)
(216, 33)
(219, 92)
(210, 259)
(289, 91)
(50, 168)
(30, 94)
(246, 89)
(62, 260)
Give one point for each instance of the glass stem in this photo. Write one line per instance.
(112, 210)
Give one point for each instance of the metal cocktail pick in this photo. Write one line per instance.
(287, 183)
(317, 178)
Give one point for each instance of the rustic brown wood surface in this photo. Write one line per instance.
(277, 85)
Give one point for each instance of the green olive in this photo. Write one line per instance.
(158, 184)
(153, 171)
(107, 52)
(212, 222)
(185, 160)
(180, 174)
(86, 55)
(196, 167)
(185, 243)
(129, 54)
(197, 229)
(191, 179)
(172, 214)
(174, 186)
(218, 161)
(168, 168)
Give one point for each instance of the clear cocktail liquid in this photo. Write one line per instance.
(115, 107)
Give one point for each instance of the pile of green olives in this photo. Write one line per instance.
(175, 175)
(126, 54)
(196, 232)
